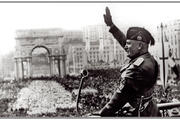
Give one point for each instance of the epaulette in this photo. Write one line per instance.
(139, 61)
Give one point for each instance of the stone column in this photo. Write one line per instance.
(22, 67)
(63, 65)
(19, 63)
(28, 67)
(50, 65)
(53, 66)
(16, 69)
(59, 68)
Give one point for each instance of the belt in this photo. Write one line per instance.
(143, 103)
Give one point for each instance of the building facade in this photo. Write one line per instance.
(7, 66)
(76, 58)
(169, 32)
(39, 52)
(91, 47)
(101, 47)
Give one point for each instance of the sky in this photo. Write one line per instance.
(74, 16)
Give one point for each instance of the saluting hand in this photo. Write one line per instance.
(108, 18)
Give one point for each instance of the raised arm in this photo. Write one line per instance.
(118, 35)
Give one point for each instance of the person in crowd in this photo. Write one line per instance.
(138, 77)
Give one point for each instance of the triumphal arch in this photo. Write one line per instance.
(39, 52)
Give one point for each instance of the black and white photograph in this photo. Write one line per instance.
(89, 59)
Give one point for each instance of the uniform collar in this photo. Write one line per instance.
(131, 61)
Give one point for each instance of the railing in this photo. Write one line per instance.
(167, 109)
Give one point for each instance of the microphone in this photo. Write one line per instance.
(84, 73)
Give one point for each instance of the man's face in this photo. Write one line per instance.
(132, 48)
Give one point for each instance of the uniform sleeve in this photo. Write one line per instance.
(117, 101)
(118, 35)
(134, 82)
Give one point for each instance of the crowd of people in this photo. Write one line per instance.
(105, 82)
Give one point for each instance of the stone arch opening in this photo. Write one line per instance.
(48, 42)
(40, 61)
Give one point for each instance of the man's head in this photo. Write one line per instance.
(138, 40)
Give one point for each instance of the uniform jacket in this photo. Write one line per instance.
(138, 78)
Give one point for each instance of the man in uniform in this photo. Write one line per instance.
(138, 77)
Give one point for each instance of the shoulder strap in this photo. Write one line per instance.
(139, 61)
